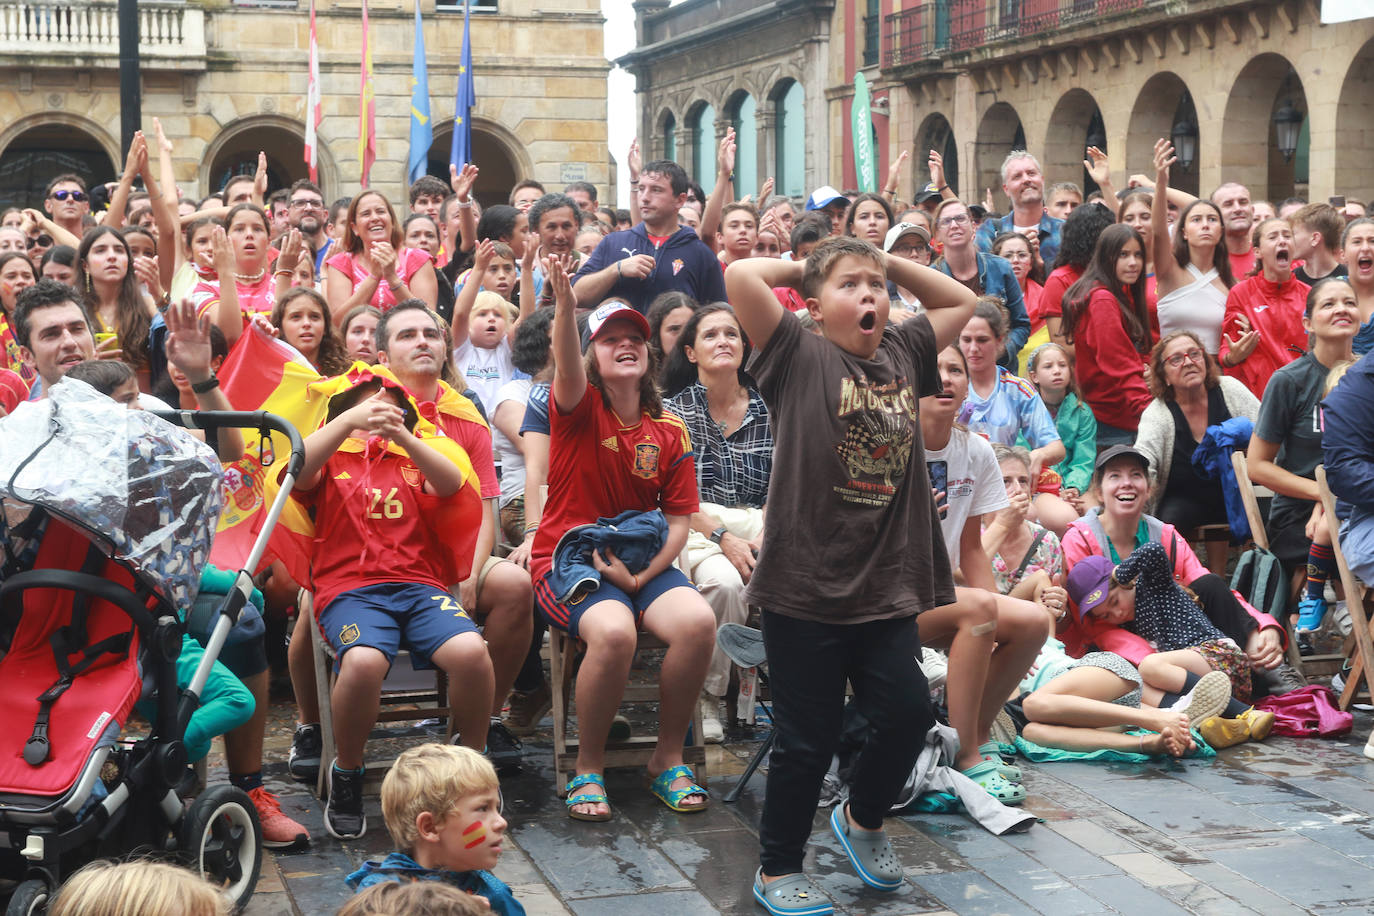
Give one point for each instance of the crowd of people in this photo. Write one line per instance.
(894, 427)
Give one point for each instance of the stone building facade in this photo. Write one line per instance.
(228, 79)
(975, 78)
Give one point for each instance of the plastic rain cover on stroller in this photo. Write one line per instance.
(147, 491)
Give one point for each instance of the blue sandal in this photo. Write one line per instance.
(792, 895)
(589, 798)
(660, 786)
(870, 853)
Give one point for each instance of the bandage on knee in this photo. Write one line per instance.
(983, 629)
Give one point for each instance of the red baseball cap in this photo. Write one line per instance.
(609, 311)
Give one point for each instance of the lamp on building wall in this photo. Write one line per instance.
(1184, 137)
(1288, 124)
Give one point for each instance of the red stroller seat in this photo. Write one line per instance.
(71, 670)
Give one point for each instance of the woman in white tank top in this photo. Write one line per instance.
(1192, 270)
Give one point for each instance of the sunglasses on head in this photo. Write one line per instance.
(43, 241)
(77, 196)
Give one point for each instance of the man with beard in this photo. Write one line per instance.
(1238, 219)
(306, 213)
(1024, 184)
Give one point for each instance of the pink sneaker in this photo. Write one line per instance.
(278, 830)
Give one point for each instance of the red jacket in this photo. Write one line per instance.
(1275, 310)
(1111, 372)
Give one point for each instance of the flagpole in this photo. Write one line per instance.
(314, 113)
(367, 108)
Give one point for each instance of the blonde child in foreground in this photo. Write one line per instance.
(442, 806)
(420, 898)
(138, 888)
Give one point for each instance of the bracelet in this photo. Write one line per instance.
(943, 187)
(466, 204)
(889, 190)
(282, 270)
(210, 384)
(529, 528)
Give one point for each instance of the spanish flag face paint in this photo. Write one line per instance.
(474, 835)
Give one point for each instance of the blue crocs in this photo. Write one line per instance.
(791, 895)
(1311, 612)
(870, 852)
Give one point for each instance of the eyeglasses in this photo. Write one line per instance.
(43, 241)
(1194, 355)
(906, 251)
(77, 196)
(307, 205)
(960, 219)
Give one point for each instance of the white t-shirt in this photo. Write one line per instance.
(484, 370)
(508, 456)
(973, 483)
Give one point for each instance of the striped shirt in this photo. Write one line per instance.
(732, 470)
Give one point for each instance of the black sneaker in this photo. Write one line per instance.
(304, 762)
(504, 750)
(343, 815)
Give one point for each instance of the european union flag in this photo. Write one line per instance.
(460, 154)
(421, 130)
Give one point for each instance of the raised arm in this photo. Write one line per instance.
(529, 300)
(462, 305)
(188, 348)
(633, 160)
(749, 288)
(165, 216)
(1100, 171)
(725, 167)
(936, 163)
(134, 165)
(1168, 275)
(467, 223)
(569, 375)
(948, 303)
(228, 315)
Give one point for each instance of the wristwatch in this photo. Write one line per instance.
(210, 384)
(718, 534)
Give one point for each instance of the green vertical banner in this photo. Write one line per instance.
(861, 126)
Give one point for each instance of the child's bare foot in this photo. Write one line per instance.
(1178, 739)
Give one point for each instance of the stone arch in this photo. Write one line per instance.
(740, 113)
(1160, 103)
(999, 132)
(935, 133)
(1354, 135)
(1066, 138)
(502, 158)
(701, 128)
(37, 148)
(787, 100)
(666, 136)
(235, 150)
(1249, 147)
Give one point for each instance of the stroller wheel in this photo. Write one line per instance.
(222, 840)
(30, 898)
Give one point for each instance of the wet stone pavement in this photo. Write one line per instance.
(1282, 827)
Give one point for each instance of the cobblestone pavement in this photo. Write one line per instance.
(1282, 827)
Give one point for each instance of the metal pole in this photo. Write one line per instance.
(130, 92)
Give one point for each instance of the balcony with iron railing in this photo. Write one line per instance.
(936, 29)
(171, 33)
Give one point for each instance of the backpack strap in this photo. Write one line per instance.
(1030, 552)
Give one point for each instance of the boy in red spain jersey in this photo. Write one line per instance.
(388, 491)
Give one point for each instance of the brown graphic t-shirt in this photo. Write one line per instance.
(852, 532)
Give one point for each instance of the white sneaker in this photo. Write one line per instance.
(712, 732)
(1208, 698)
(1369, 746)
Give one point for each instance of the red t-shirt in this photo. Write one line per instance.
(1056, 285)
(372, 525)
(1110, 369)
(600, 468)
(475, 439)
(1242, 264)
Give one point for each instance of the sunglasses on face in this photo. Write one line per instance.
(43, 241)
(77, 196)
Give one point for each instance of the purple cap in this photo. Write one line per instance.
(1088, 583)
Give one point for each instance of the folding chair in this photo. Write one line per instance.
(1357, 649)
(744, 646)
(423, 704)
(1309, 666)
(633, 751)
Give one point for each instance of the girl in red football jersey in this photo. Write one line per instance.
(613, 448)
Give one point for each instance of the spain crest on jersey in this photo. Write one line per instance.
(411, 474)
(646, 460)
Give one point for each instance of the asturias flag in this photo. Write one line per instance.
(421, 130)
(367, 107)
(460, 154)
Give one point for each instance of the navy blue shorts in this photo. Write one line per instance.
(565, 616)
(385, 616)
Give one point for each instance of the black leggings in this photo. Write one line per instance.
(808, 664)
(1222, 608)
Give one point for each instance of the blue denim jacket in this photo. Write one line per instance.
(996, 276)
(1049, 234)
(634, 537)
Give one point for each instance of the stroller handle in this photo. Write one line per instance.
(240, 419)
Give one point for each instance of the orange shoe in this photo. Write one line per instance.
(278, 830)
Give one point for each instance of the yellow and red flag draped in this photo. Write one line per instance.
(261, 373)
(459, 517)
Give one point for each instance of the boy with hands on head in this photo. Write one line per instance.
(842, 576)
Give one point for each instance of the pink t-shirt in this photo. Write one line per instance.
(254, 298)
(408, 263)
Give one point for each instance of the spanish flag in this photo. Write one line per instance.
(459, 517)
(261, 373)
